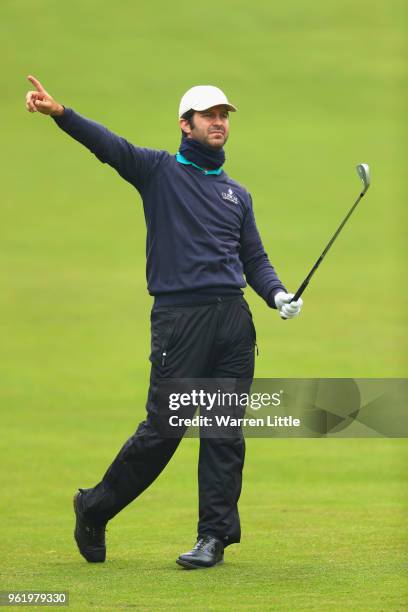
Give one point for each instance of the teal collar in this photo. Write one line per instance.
(182, 160)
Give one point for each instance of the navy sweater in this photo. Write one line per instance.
(201, 231)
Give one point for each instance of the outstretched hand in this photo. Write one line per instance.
(41, 101)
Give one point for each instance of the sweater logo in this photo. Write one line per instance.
(230, 196)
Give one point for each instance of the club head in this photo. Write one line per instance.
(363, 172)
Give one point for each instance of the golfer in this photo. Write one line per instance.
(202, 248)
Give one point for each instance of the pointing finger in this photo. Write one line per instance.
(36, 83)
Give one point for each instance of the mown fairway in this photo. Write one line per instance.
(320, 87)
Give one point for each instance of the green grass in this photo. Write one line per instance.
(319, 86)
(322, 527)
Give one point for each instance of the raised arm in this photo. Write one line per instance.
(134, 164)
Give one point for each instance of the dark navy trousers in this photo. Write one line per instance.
(214, 339)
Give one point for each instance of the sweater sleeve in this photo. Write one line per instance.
(259, 272)
(134, 164)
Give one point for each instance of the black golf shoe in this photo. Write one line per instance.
(207, 552)
(89, 537)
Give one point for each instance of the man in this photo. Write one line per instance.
(201, 241)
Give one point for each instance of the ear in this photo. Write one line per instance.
(185, 126)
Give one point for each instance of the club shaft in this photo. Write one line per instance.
(322, 256)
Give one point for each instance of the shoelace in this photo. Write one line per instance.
(205, 544)
(96, 533)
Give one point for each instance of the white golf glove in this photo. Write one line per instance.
(287, 310)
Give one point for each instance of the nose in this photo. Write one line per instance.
(218, 121)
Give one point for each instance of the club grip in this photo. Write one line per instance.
(298, 294)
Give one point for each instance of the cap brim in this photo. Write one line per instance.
(230, 107)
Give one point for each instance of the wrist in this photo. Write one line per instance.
(59, 110)
(276, 298)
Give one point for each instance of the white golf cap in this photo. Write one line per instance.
(201, 97)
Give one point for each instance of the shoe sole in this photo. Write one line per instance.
(97, 556)
(191, 566)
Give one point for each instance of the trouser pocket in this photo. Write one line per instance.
(247, 310)
(163, 325)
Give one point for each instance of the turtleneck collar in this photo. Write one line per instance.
(203, 157)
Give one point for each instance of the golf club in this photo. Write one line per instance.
(363, 172)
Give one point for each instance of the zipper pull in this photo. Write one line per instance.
(164, 358)
(257, 351)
